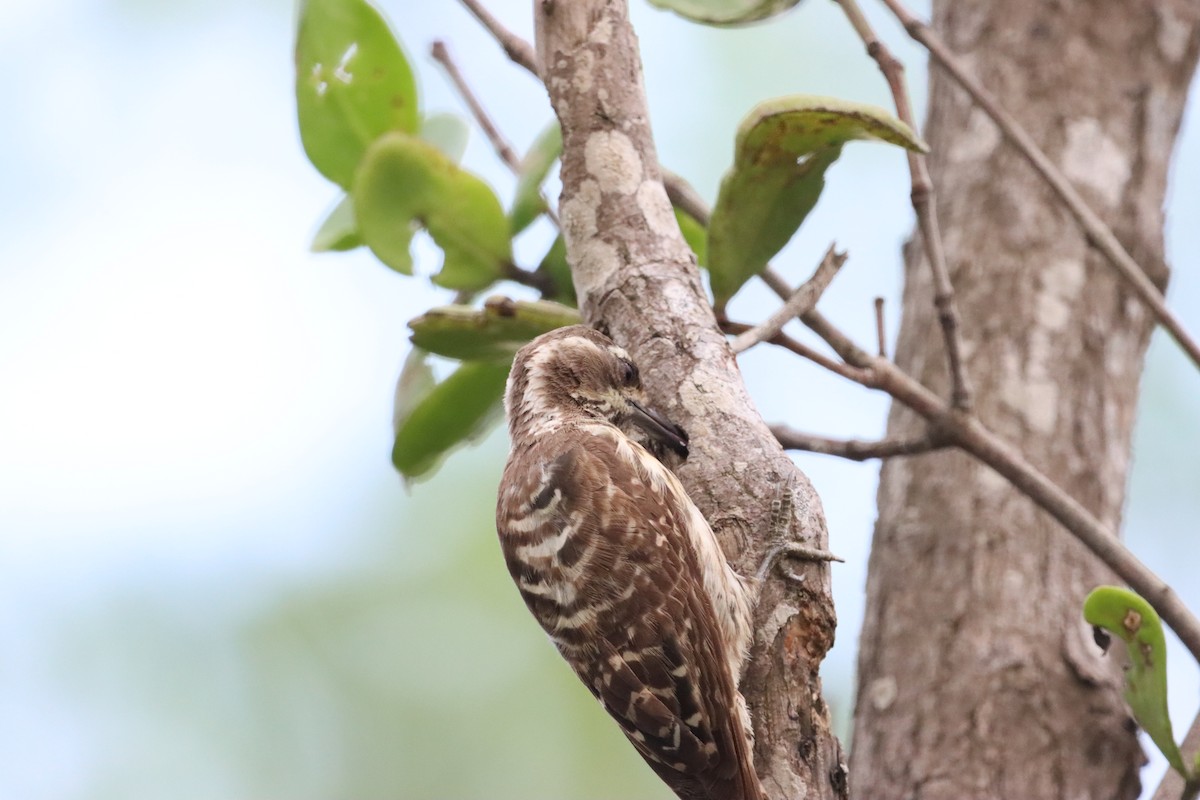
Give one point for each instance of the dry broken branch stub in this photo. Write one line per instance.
(880, 332)
(800, 349)
(801, 300)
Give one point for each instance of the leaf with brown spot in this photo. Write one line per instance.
(782, 151)
(1131, 619)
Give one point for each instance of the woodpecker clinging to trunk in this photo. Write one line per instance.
(620, 567)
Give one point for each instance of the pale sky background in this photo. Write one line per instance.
(195, 411)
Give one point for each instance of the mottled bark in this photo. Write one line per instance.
(637, 279)
(977, 676)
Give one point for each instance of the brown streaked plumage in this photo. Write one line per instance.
(620, 567)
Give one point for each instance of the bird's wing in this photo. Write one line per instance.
(622, 596)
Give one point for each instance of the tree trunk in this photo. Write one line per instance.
(637, 279)
(977, 675)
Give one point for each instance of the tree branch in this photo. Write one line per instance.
(685, 197)
(800, 349)
(635, 277)
(516, 48)
(858, 450)
(966, 431)
(1100, 235)
(503, 149)
(535, 280)
(924, 205)
(801, 301)
(957, 427)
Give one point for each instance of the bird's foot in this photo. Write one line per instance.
(778, 554)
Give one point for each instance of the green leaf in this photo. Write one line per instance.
(554, 264)
(694, 234)
(448, 133)
(782, 151)
(457, 410)
(1131, 619)
(353, 83)
(338, 231)
(494, 332)
(725, 12)
(403, 184)
(527, 202)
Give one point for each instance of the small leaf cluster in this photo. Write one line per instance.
(362, 127)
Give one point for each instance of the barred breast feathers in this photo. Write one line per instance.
(726, 589)
(619, 566)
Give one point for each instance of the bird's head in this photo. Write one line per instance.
(579, 371)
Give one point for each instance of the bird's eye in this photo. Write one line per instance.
(629, 373)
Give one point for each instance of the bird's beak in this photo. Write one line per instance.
(660, 428)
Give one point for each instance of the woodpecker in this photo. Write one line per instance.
(620, 567)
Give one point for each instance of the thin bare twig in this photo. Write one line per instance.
(517, 49)
(879, 329)
(801, 301)
(504, 150)
(441, 54)
(924, 205)
(855, 449)
(1100, 234)
(800, 349)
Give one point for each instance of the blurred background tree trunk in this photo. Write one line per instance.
(978, 677)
